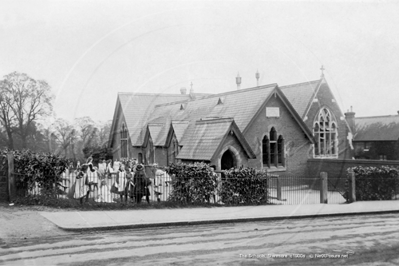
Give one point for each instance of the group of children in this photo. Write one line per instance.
(128, 180)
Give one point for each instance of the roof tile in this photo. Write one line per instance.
(377, 128)
(299, 95)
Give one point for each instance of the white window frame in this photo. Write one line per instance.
(325, 132)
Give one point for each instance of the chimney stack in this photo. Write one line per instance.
(183, 91)
(257, 75)
(238, 81)
(350, 118)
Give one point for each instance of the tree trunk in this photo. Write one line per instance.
(10, 140)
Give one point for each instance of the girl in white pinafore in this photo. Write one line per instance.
(92, 177)
(121, 181)
(81, 188)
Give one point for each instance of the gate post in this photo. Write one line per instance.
(278, 188)
(352, 187)
(323, 188)
(11, 177)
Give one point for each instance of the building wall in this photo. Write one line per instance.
(233, 145)
(135, 151)
(116, 140)
(161, 155)
(377, 150)
(297, 147)
(325, 98)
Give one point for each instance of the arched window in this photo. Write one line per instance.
(325, 133)
(273, 149)
(280, 150)
(265, 151)
(123, 141)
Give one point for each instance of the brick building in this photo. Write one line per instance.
(375, 137)
(272, 127)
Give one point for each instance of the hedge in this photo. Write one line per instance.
(375, 183)
(191, 182)
(33, 168)
(244, 186)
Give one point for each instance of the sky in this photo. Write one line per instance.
(88, 51)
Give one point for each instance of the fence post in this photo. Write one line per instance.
(11, 177)
(278, 188)
(323, 188)
(352, 187)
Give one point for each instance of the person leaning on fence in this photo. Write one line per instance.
(81, 189)
(141, 183)
(129, 181)
(92, 174)
(121, 182)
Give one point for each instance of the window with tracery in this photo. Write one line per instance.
(325, 133)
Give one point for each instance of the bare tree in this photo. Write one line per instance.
(25, 101)
(7, 118)
(103, 132)
(88, 129)
(65, 134)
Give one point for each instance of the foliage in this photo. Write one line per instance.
(244, 186)
(37, 168)
(23, 101)
(191, 182)
(375, 183)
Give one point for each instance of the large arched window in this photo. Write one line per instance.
(325, 133)
(123, 141)
(273, 149)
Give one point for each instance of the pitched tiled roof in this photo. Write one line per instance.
(300, 95)
(157, 134)
(240, 104)
(179, 128)
(377, 128)
(137, 107)
(204, 139)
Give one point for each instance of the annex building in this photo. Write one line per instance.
(265, 127)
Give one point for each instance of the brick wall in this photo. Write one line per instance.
(298, 147)
(325, 98)
(232, 143)
(337, 168)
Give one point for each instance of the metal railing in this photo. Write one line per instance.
(282, 189)
(294, 190)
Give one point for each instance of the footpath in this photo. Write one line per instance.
(106, 220)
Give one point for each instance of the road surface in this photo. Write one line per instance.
(354, 240)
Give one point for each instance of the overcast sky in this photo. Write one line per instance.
(89, 51)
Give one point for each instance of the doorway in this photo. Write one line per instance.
(228, 160)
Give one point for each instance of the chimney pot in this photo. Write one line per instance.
(238, 81)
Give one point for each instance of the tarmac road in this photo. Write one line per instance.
(371, 239)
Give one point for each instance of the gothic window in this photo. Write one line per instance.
(123, 141)
(265, 150)
(273, 149)
(325, 133)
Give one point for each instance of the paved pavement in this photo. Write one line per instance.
(102, 220)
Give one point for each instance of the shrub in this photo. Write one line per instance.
(244, 186)
(375, 183)
(31, 169)
(191, 182)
